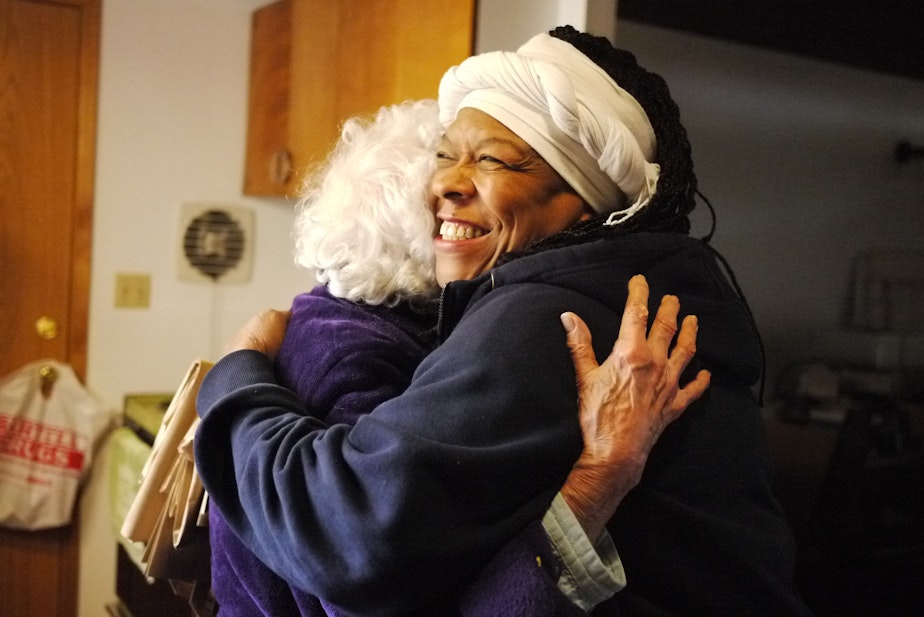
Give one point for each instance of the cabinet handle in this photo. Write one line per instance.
(46, 327)
(280, 167)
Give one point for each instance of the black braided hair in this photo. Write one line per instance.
(674, 199)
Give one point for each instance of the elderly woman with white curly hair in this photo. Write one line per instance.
(363, 226)
(563, 170)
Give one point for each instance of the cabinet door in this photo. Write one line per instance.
(344, 59)
(268, 166)
(48, 77)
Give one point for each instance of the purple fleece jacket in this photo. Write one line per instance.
(343, 359)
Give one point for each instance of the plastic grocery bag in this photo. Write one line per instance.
(49, 424)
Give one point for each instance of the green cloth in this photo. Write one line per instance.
(127, 456)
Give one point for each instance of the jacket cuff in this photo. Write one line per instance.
(590, 573)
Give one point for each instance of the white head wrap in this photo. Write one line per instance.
(591, 131)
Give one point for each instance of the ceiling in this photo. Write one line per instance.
(884, 35)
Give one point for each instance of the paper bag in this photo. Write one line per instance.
(165, 513)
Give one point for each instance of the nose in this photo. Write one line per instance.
(452, 182)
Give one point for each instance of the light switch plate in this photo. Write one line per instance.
(132, 290)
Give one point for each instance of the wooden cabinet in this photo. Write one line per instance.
(315, 63)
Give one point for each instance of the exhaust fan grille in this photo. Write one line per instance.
(215, 243)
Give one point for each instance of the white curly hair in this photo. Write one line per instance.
(362, 220)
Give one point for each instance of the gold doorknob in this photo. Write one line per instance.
(46, 327)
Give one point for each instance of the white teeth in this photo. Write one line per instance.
(459, 231)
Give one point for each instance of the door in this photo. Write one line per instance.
(48, 89)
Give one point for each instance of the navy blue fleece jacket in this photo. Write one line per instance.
(393, 514)
(343, 358)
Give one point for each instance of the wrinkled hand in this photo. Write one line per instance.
(263, 332)
(626, 402)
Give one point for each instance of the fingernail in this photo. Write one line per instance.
(567, 322)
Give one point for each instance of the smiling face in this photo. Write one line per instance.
(493, 194)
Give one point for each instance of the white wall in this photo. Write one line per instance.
(507, 24)
(797, 156)
(172, 119)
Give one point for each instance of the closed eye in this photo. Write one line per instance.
(491, 162)
(494, 163)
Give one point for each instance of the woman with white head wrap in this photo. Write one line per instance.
(612, 133)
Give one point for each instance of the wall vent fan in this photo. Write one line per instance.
(216, 243)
